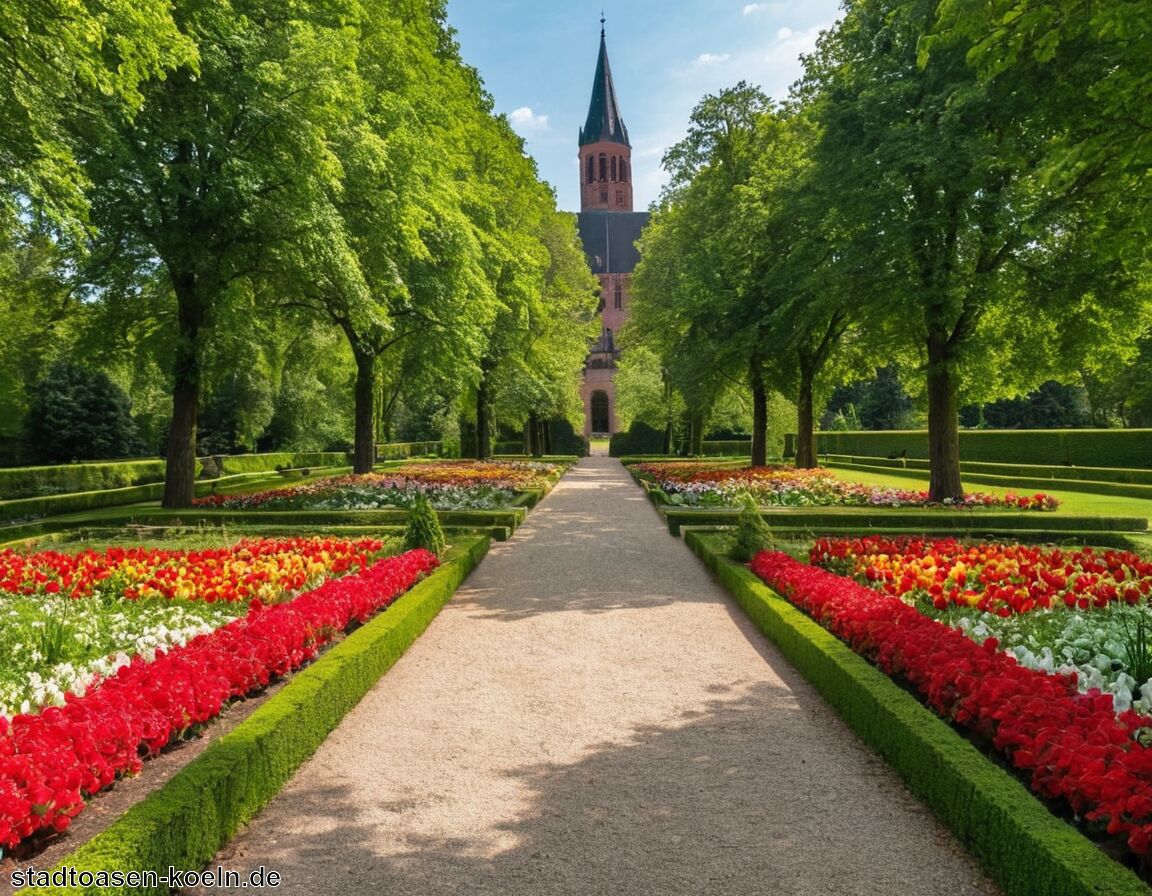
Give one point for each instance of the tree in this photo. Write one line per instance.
(79, 414)
(57, 55)
(223, 159)
(953, 174)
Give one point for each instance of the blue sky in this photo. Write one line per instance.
(537, 59)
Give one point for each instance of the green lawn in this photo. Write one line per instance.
(1072, 502)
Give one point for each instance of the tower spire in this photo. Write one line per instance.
(604, 122)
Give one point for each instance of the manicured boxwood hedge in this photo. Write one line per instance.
(1124, 475)
(1076, 447)
(402, 450)
(1027, 849)
(185, 823)
(1017, 483)
(865, 519)
(264, 463)
(31, 482)
(28, 508)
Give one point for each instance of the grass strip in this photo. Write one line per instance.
(186, 822)
(1024, 847)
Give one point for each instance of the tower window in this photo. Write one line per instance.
(591, 169)
(603, 167)
(604, 196)
(620, 198)
(617, 296)
(623, 170)
(613, 167)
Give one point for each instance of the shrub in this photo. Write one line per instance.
(423, 529)
(752, 534)
(79, 414)
(639, 439)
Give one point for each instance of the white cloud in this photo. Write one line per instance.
(752, 7)
(524, 119)
(711, 58)
(784, 33)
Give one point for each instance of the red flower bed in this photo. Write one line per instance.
(998, 578)
(1073, 746)
(50, 761)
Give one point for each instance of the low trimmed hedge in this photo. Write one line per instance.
(478, 519)
(1128, 448)
(1062, 472)
(186, 822)
(1026, 848)
(34, 482)
(404, 450)
(865, 519)
(1017, 482)
(26, 508)
(231, 464)
(729, 448)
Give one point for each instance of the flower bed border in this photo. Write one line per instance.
(186, 822)
(1026, 848)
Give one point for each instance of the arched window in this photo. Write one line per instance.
(600, 411)
(603, 167)
(613, 167)
(617, 296)
(623, 169)
(591, 169)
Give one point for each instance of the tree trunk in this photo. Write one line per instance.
(943, 423)
(180, 469)
(696, 437)
(483, 415)
(534, 447)
(805, 425)
(759, 418)
(364, 451)
(545, 437)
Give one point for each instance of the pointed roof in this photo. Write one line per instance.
(604, 121)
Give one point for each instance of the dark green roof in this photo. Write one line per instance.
(604, 121)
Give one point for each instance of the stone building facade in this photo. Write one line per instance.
(608, 229)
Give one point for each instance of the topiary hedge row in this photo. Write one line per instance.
(185, 823)
(403, 450)
(32, 482)
(1017, 482)
(29, 508)
(1123, 475)
(865, 519)
(1130, 448)
(1026, 848)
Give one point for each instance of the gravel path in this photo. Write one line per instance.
(593, 715)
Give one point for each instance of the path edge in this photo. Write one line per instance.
(184, 824)
(1022, 845)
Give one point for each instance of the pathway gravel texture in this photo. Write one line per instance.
(593, 715)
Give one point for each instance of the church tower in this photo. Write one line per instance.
(605, 153)
(609, 230)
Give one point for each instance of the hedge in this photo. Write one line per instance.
(186, 822)
(1055, 447)
(1026, 848)
(864, 519)
(728, 448)
(499, 521)
(267, 463)
(1061, 472)
(32, 482)
(28, 482)
(27, 508)
(403, 450)
(1018, 483)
